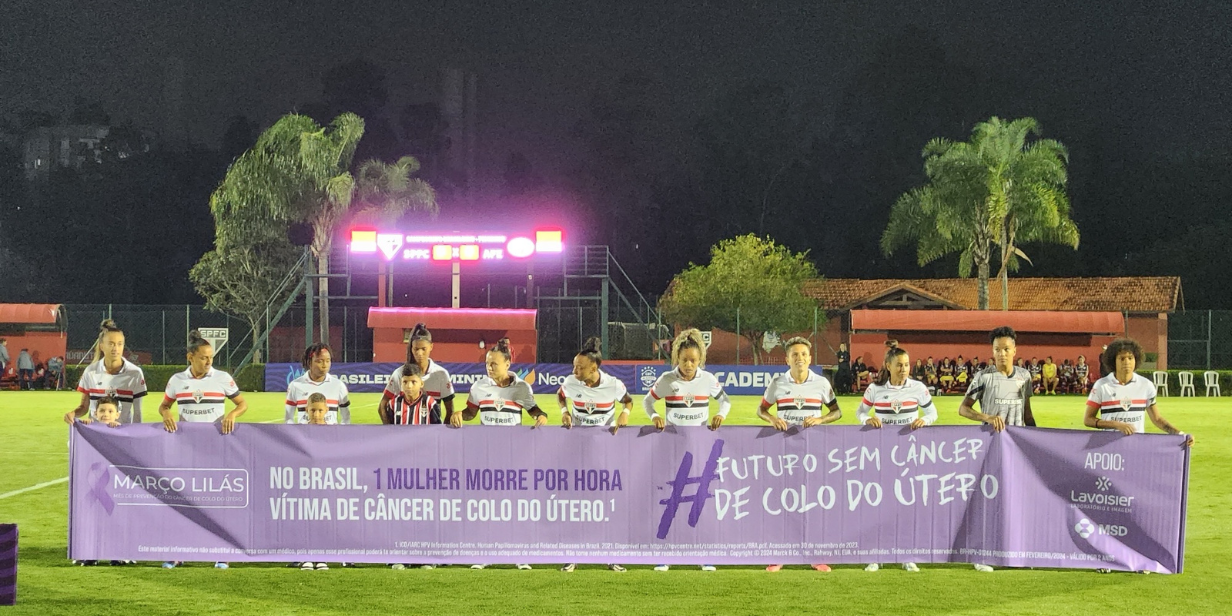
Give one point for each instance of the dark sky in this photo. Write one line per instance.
(1163, 68)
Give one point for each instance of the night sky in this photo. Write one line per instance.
(1161, 68)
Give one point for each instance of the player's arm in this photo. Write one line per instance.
(447, 402)
(928, 418)
(241, 407)
(137, 397)
(1028, 419)
(967, 409)
(622, 419)
(383, 407)
(834, 415)
(164, 410)
(290, 410)
(769, 399)
(865, 415)
(725, 407)
(82, 408)
(648, 403)
(1163, 424)
(471, 411)
(566, 418)
(344, 406)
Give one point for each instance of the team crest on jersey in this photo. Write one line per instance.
(500, 403)
(589, 405)
(896, 405)
(799, 402)
(688, 399)
(197, 395)
(1126, 402)
(111, 391)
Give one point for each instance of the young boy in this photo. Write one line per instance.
(107, 412)
(414, 406)
(317, 409)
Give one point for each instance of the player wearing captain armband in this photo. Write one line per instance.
(894, 399)
(798, 396)
(435, 378)
(201, 393)
(686, 391)
(499, 399)
(317, 360)
(1123, 399)
(595, 395)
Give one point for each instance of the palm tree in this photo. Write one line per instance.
(995, 189)
(299, 171)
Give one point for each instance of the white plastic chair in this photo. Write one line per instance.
(1186, 379)
(1161, 381)
(1212, 382)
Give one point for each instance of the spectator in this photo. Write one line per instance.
(25, 369)
(947, 374)
(1049, 373)
(842, 377)
(1066, 374)
(962, 373)
(930, 374)
(1035, 368)
(860, 373)
(976, 365)
(1082, 375)
(917, 371)
(4, 355)
(55, 373)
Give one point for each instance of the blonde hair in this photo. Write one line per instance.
(689, 339)
(104, 328)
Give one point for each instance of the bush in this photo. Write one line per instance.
(252, 378)
(1174, 381)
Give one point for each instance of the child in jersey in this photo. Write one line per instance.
(201, 393)
(414, 406)
(799, 395)
(595, 395)
(106, 412)
(500, 399)
(317, 360)
(110, 375)
(435, 378)
(895, 399)
(686, 391)
(317, 409)
(1123, 399)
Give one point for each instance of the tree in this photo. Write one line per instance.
(300, 172)
(994, 190)
(751, 286)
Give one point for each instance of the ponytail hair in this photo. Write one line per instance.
(502, 347)
(311, 353)
(420, 332)
(591, 350)
(196, 341)
(894, 352)
(689, 339)
(104, 328)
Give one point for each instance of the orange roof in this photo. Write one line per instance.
(1134, 294)
(29, 313)
(985, 320)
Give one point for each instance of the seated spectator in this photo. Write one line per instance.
(962, 373)
(917, 371)
(55, 373)
(1065, 373)
(1082, 376)
(930, 374)
(1035, 368)
(1048, 372)
(946, 372)
(977, 366)
(860, 372)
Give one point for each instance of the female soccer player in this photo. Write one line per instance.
(1049, 372)
(200, 392)
(435, 377)
(1082, 374)
(110, 375)
(895, 399)
(595, 395)
(947, 374)
(686, 391)
(798, 396)
(1122, 400)
(500, 399)
(317, 360)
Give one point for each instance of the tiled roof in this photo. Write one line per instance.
(1134, 294)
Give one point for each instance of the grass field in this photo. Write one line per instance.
(33, 451)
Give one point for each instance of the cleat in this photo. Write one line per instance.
(873, 567)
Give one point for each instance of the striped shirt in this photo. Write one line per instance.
(436, 382)
(128, 387)
(201, 399)
(336, 396)
(594, 406)
(501, 406)
(897, 405)
(421, 411)
(1000, 395)
(798, 401)
(1123, 402)
(688, 402)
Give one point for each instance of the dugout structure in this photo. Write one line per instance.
(41, 328)
(456, 332)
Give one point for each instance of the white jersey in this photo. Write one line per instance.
(688, 402)
(594, 406)
(336, 396)
(436, 382)
(128, 387)
(798, 401)
(501, 406)
(204, 399)
(1127, 403)
(897, 405)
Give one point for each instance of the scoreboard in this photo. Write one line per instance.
(457, 247)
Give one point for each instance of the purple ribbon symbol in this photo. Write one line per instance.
(97, 479)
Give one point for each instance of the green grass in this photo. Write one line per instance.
(33, 450)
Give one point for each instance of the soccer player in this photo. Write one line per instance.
(798, 396)
(436, 379)
(1002, 390)
(1036, 369)
(686, 391)
(947, 375)
(110, 375)
(1123, 399)
(414, 406)
(1082, 375)
(894, 399)
(962, 372)
(1049, 373)
(106, 412)
(930, 374)
(499, 399)
(1065, 372)
(317, 360)
(595, 395)
(201, 391)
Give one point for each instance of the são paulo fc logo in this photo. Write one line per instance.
(500, 403)
(1085, 528)
(799, 403)
(1126, 403)
(197, 395)
(111, 391)
(589, 406)
(688, 399)
(896, 406)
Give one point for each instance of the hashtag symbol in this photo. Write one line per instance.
(699, 496)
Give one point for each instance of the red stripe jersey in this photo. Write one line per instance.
(897, 404)
(336, 396)
(1125, 402)
(798, 401)
(687, 402)
(204, 399)
(436, 382)
(501, 406)
(594, 406)
(128, 387)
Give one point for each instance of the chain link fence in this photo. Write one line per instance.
(1200, 340)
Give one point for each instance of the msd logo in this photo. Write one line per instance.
(1086, 528)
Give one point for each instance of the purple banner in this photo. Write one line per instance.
(544, 378)
(740, 495)
(8, 564)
